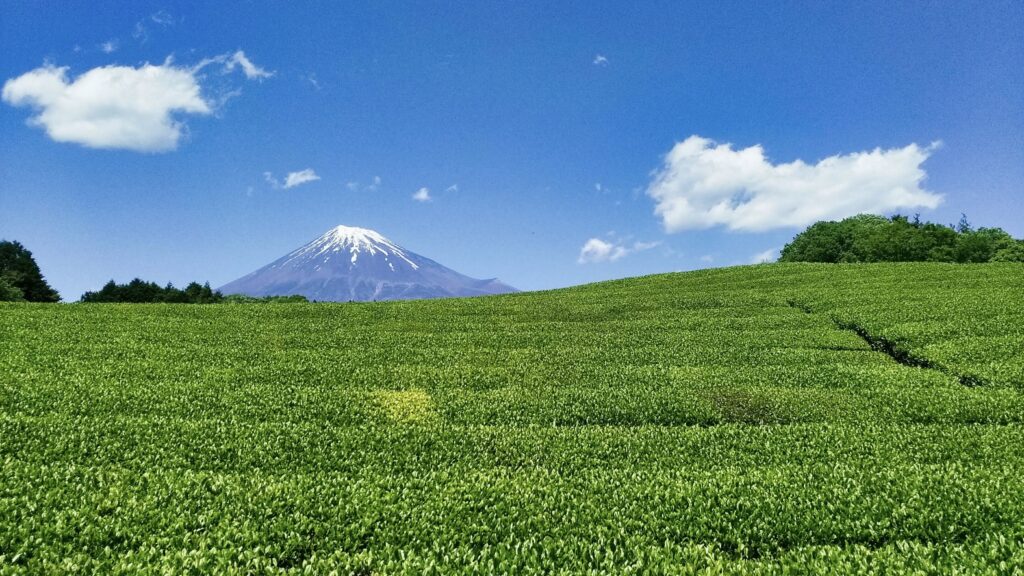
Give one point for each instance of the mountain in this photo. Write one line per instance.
(348, 263)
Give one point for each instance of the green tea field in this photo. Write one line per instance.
(758, 419)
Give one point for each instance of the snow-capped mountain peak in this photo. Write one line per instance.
(351, 263)
(355, 241)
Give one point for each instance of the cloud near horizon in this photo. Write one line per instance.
(703, 184)
(596, 250)
(119, 107)
(769, 255)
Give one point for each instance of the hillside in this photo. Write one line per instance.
(820, 417)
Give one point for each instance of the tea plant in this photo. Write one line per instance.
(707, 422)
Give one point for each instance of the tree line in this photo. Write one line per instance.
(870, 238)
(139, 291)
(22, 281)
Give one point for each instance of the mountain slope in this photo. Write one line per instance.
(349, 263)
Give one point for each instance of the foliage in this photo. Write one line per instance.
(18, 269)
(718, 421)
(869, 238)
(1013, 252)
(137, 291)
(8, 291)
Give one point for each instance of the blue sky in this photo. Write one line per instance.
(558, 144)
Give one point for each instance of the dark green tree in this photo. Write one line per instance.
(139, 291)
(9, 292)
(21, 271)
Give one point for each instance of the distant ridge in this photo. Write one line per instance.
(347, 263)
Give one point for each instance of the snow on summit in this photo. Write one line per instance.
(355, 240)
(348, 263)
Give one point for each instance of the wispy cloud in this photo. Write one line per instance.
(422, 195)
(596, 250)
(704, 184)
(162, 17)
(251, 71)
(291, 180)
(600, 60)
(117, 106)
(110, 46)
(355, 186)
(232, 61)
(312, 80)
(294, 179)
(140, 33)
(452, 188)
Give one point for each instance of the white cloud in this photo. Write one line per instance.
(294, 179)
(597, 250)
(704, 184)
(111, 106)
(600, 60)
(232, 61)
(116, 106)
(769, 255)
(452, 188)
(422, 195)
(251, 71)
(353, 186)
(109, 47)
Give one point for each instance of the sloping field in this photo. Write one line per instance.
(820, 418)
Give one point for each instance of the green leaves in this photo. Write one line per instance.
(684, 423)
